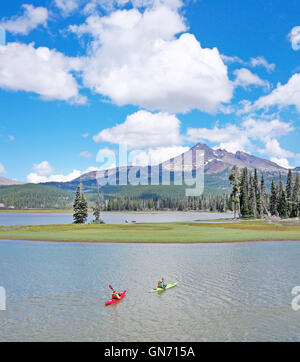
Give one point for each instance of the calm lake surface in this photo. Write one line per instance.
(11, 218)
(226, 292)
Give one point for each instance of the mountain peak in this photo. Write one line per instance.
(201, 146)
(215, 162)
(218, 160)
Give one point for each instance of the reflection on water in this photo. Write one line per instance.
(227, 292)
(19, 218)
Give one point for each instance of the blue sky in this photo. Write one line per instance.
(78, 77)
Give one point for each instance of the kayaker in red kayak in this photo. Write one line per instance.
(116, 295)
(161, 284)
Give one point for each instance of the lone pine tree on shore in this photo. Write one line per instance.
(80, 207)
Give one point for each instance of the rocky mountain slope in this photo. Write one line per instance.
(215, 162)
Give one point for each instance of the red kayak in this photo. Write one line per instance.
(112, 301)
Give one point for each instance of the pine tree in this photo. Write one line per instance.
(273, 200)
(296, 198)
(289, 190)
(244, 202)
(263, 196)
(76, 206)
(84, 208)
(280, 198)
(80, 207)
(283, 205)
(258, 196)
(277, 190)
(259, 208)
(97, 208)
(234, 180)
(252, 197)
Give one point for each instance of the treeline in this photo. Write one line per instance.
(285, 201)
(219, 203)
(34, 197)
(250, 199)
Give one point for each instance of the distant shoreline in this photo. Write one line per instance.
(70, 211)
(37, 211)
(172, 233)
(156, 242)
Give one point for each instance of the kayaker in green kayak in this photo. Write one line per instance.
(161, 284)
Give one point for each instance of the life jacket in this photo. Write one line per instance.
(160, 284)
(115, 295)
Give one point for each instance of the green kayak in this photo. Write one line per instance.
(161, 289)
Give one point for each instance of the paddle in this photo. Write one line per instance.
(110, 287)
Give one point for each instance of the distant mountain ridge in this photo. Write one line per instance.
(6, 182)
(215, 162)
(217, 165)
(218, 160)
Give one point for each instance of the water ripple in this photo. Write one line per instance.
(228, 292)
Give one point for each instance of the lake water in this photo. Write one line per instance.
(108, 217)
(226, 292)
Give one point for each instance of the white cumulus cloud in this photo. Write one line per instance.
(283, 95)
(43, 168)
(36, 178)
(283, 162)
(294, 37)
(39, 70)
(273, 149)
(42, 177)
(110, 5)
(144, 129)
(31, 19)
(44, 172)
(67, 6)
(266, 129)
(261, 61)
(155, 156)
(245, 78)
(149, 60)
(241, 137)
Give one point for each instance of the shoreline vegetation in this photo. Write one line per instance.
(71, 211)
(183, 232)
(37, 211)
(250, 200)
